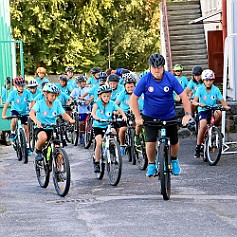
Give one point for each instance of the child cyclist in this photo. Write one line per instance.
(70, 74)
(45, 112)
(20, 99)
(33, 88)
(41, 73)
(113, 80)
(92, 81)
(207, 94)
(83, 105)
(103, 108)
(63, 85)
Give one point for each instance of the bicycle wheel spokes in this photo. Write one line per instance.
(42, 173)
(114, 163)
(24, 153)
(164, 171)
(213, 146)
(88, 133)
(61, 172)
(140, 153)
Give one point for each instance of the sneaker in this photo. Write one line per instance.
(122, 150)
(175, 167)
(29, 152)
(151, 170)
(38, 156)
(81, 139)
(12, 137)
(197, 152)
(202, 151)
(97, 168)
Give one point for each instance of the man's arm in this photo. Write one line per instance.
(187, 107)
(133, 102)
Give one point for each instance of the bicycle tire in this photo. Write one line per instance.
(68, 134)
(214, 145)
(24, 152)
(132, 147)
(114, 166)
(31, 135)
(62, 177)
(88, 136)
(141, 156)
(75, 132)
(17, 148)
(42, 172)
(164, 171)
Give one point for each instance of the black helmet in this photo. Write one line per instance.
(81, 79)
(63, 78)
(197, 70)
(113, 78)
(156, 60)
(69, 69)
(95, 70)
(104, 89)
(102, 76)
(129, 78)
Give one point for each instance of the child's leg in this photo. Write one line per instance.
(98, 140)
(217, 116)
(201, 131)
(26, 127)
(13, 125)
(122, 131)
(42, 138)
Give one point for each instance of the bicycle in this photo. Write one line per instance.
(31, 134)
(110, 154)
(19, 143)
(55, 160)
(88, 135)
(213, 139)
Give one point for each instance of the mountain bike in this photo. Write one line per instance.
(110, 154)
(213, 139)
(19, 143)
(55, 160)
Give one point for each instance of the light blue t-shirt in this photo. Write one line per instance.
(40, 96)
(192, 85)
(123, 100)
(67, 89)
(93, 92)
(48, 115)
(115, 93)
(183, 81)
(92, 81)
(77, 92)
(104, 113)
(38, 92)
(208, 98)
(72, 83)
(63, 98)
(20, 102)
(158, 96)
(3, 94)
(40, 81)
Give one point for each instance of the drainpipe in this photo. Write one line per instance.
(224, 21)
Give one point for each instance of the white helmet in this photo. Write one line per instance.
(208, 74)
(32, 83)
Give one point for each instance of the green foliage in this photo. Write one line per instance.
(81, 33)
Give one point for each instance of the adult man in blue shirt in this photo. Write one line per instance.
(158, 87)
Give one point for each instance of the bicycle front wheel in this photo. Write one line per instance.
(213, 146)
(164, 171)
(88, 133)
(24, 153)
(42, 172)
(75, 132)
(140, 153)
(31, 135)
(114, 163)
(61, 172)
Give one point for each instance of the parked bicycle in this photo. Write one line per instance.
(55, 159)
(19, 143)
(110, 154)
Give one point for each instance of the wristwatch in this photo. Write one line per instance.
(187, 113)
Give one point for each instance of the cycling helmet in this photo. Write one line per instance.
(95, 70)
(43, 84)
(197, 71)
(8, 80)
(32, 83)
(81, 79)
(69, 69)
(104, 89)
(113, 78)
(41, 70)
(19, 81)
(102, 76)
(208, 75)
(178, 67)
(63, 78)
(129, 78)
(156, 60)
(125, 71)
(143, 74)
(52, 88)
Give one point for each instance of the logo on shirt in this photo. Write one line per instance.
(45, 113)
(25, 99)
(18, 101)
(151, 89)
(108, 114)
(213, 97)
(205, 97)
(166, 89)
(54, 113)
(101, 111)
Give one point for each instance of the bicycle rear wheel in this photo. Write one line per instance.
(75, 132)
(114, 163)
(214, 145)
(61, 172)
(164, 171)
(141, 157)
(88, 132)
(24, 153)
(31, 135)
(42, 172)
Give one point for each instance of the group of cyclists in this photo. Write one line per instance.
(151, 96)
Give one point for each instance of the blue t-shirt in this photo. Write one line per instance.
(40, 96)
(115, 93)
(92, 81)
(123, 100)
(77, 92)
(208, 98)
(193, 85)
(158, 96)
(72, 83)
(67, 89)
(48, 115)
(4, 94)
(38, 92)
(183, 81)
(63, 98)
(93, 91)
(20, 102)
(40, 81)
(104, 113)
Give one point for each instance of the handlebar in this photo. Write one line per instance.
(15, 116)
(113, 120)
(214, 108)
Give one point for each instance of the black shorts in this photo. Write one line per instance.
(152, 131)
(205, 115)
(99, 131)
(24, 118)
(48, 132)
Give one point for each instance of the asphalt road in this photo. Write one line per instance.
(203, 200)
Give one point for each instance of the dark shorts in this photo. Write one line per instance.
(82, 117)
(24, 118)
(48, 132)
(99, 131)
(121, 124)
(205, 115)
(152, 131)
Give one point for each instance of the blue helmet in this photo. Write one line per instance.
(52, 88)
